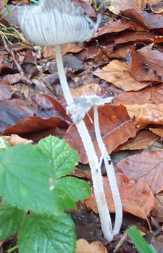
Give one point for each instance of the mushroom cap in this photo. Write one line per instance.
(51, 22)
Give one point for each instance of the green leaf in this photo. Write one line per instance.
(24, 176)
(10, 221)
(141, 245)
(30, 173)
(42, 234)
(62, 158)
(75, 188)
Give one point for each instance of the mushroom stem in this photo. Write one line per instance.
(110, 174)
(95, 166)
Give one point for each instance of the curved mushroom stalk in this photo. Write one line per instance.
(56, 22)
(95, 166)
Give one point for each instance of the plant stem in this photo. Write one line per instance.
(110, 174)
(91, 153)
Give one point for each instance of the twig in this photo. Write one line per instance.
(19, 68)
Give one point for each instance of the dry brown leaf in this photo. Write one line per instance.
(157, 131)
(158, 210)
(82, 246)
(15, 139)
(19, 116)
(151, 95)
(147, 65)
(117, 73)
(146, 114)
(116, 128)
(114, 27)
(49, 52)
(147, 19)
(134, 37)
(146, 166)
(85, 90)
(146, 107)
(143, 140)
(137, 197)
(157, 7)
(117, 6)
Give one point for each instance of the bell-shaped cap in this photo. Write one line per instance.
(51, 22)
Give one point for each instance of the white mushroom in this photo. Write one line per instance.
(56, 22)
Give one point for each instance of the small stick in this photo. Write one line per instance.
(19, 68)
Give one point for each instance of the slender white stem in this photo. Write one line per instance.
(104, 214)
(110, 174)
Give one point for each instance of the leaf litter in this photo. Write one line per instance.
(124, 60)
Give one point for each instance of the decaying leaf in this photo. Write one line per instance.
(157, 131)
(19, 116)
(147, 65)
(82, 246)
(137, 197)
(146, 114)
(86, 90)
(118, 5)
(146, 166)
(143, 140)
(15, 139)
(117, 73)
(116, 128)
(150, 95)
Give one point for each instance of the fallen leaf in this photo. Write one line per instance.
(116, 128)
(157, 242)
(134, 37)
(86, 90)
(82, 246)
(158, 210)
(137, 198)
(146, 166)
(49, 52)
(114, 27)
(20, 116)
(118, 73)
(149, 20)
(150, 95)
(157, 131)
(143, 140)
(157, 7)
(15, 139)
(145, 107)
(147, 65)
(146, 114)
(117, 6)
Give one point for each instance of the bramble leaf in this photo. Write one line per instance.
(29, 175)
(61, 157)
(10, 220)
(41, 234)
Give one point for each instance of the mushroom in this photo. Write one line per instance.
(56, 22)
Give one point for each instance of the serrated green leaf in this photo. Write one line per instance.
(10, 221)
(41, 234)
(141, 245)
(24, 175)
(62, 158)
(75, 188)
(30, 173)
